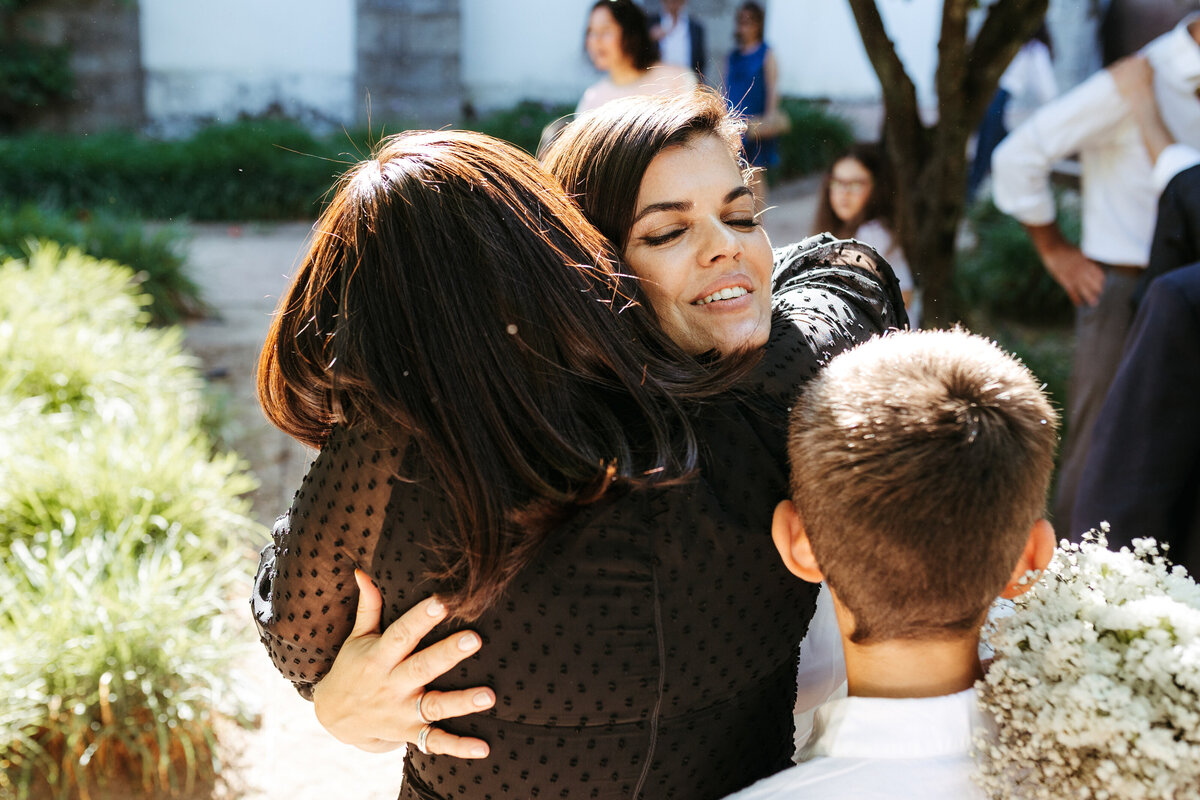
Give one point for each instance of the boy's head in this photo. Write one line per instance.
(920, 463)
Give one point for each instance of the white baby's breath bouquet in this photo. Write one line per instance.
(1095, 686)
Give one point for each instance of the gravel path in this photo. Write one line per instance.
(243, 269)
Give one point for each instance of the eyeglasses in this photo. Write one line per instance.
(851, 187)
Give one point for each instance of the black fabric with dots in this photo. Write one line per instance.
(649, 650)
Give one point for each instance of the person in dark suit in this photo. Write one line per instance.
(680, 37)
(1143, 471)
(1177, 233)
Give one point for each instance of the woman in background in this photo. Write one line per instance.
(856, 203)
(752, 90)
(618, 42)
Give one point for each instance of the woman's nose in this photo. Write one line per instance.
(721, 242)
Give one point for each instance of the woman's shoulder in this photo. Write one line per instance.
(596, 95)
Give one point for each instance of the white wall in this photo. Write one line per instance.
(219, 58)
(821, 54)
(513, 50)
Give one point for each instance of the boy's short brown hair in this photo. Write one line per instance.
(920, 461)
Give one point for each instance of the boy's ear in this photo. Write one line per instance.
(791, 540)
(1039, 549)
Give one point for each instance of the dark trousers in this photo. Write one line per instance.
(1100, 332)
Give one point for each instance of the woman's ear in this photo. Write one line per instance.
(791, 540)
(1039, 549)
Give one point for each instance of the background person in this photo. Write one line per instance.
(752, 90)
(694, 729)
(618, 42)
(856, 203)
(1119, 199)
(948, 444)
(680, 37)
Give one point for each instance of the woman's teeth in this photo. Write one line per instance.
(724, 294)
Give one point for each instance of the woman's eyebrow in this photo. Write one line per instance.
(739, 192)
(675, 205)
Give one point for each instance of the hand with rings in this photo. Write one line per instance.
(374, 696)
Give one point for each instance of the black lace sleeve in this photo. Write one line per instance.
(305, 595)
(827, 295)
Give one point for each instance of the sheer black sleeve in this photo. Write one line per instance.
(827, 295)
(305, 595)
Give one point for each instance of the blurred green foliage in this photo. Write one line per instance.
(817, 137)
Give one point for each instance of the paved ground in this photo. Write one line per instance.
(242, 270)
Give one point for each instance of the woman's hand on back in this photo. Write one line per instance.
(370, 697)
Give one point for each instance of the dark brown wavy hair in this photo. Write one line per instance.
(879, 205)
(601, 157)
(636, 41)
(453, 297)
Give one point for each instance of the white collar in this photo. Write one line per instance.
(885, 727)
(1177, 52)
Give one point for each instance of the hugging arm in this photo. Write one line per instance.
(318, 612)
(827, 296)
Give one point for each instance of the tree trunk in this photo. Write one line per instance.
(930, 161)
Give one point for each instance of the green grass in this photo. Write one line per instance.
(121, 540)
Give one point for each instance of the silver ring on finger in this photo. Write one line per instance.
(423, 738)
(421, 714)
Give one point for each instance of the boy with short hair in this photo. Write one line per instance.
(920, 464)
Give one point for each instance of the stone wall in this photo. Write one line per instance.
(103, 38)
(408, 61)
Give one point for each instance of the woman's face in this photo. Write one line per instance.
(603, 41)
(850, 186)
(696, 243)
(747, 30)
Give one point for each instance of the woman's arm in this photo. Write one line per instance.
(318, 613)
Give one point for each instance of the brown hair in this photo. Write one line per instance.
(879, 203)
(601, 157)
(757, 14)
(453, 297)
(920, 461)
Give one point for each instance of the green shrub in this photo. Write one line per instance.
(817, 137)
(522, 124)
(113, 662)
(156, 257)
(121, 536)
(1001, 274)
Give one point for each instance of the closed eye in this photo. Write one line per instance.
(663, 238)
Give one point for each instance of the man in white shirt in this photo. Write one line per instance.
(680, 38)
(1120, 194)
(920, 463)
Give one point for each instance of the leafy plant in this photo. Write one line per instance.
(120, 540)
(817, 137)
(1001, 274)
(155, 256)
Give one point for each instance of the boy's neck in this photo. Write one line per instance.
(912, 668)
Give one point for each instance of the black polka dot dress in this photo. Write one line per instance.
(649, 650)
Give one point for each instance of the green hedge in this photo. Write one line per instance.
(155, 256)
(121, 540)
(817, 137)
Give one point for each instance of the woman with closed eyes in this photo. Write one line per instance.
(637, 636)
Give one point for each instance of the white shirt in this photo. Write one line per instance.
(1119, 194)
(874, 748)
(662, 79)
(1029, 81)
(676, 46)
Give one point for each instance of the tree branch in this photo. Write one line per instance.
(1007, 27)
(899, 93)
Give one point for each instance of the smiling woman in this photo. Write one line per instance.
(696, 243)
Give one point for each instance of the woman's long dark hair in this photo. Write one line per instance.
(600, 158)
(878, 206)
(453, 297)
(636, 41)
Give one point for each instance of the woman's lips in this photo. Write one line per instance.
(730, 293)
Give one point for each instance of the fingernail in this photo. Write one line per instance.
(468, 641)
(479, 751)
(435, 608)
(482, 699)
